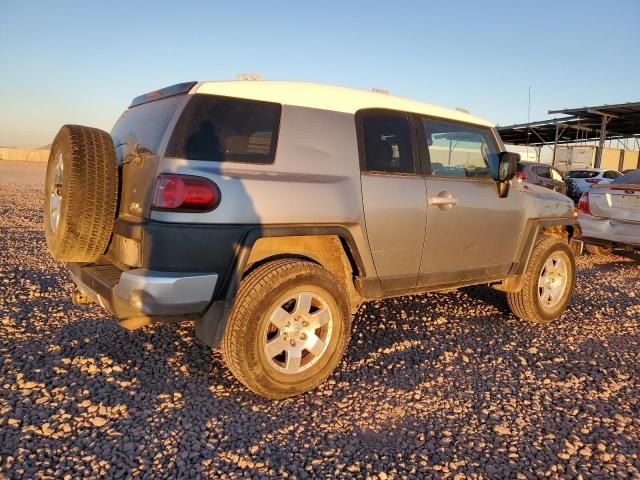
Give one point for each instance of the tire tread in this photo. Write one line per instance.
(254, 287)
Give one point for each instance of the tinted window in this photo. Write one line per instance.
(542, 171)
(458, 150)
(221, 129)
(387, 143)
(582, 174)
(611, 174)
(631, 177)
(145, 124)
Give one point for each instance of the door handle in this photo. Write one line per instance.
(444, 200)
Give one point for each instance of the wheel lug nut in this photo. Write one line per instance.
(303, 336)
(293, 343)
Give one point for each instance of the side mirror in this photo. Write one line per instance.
(504, 169)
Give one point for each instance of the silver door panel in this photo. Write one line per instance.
(395, 215)
(477, 236)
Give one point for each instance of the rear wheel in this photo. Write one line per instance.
(81, 193)
(599, 249)
(548, 282)
(288, 329)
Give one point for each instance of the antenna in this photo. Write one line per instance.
(528, 121)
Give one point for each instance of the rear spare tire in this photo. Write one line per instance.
(81, 194)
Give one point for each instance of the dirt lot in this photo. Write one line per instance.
(439, 385)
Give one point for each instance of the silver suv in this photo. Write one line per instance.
(267, 212)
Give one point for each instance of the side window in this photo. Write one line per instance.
(556, 175)
(458, 150)
(611, 174)
(223, 129)
(387, 143)
(543, 171)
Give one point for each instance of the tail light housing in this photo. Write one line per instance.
(592, 180)
(521, 176)
(583, 204)
(185, 193)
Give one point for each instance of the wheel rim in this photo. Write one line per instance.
(298, 332)
(55, 193)
(553, 280)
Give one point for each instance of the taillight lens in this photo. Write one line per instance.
(592, 180)
(583, 204)
(185, 193)
(521, 176)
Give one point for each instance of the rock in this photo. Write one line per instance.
(98, 421)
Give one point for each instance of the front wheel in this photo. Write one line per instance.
(548, 282)
(288, 328)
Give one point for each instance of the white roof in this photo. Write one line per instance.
(327, 97)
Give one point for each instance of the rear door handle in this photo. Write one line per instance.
(444, 200)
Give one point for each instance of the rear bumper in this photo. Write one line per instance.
(143, 292)
(609, 231)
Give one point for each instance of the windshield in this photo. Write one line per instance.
(631, 177)
(145, 124)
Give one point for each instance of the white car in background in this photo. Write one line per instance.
(609, 215)
(588, 177)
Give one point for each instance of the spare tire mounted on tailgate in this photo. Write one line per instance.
(81, 194)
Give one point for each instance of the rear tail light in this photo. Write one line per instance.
(583, 204)
(521, 176)
(185, 193)
(592, 180)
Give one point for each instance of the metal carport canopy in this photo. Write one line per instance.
(581, 124)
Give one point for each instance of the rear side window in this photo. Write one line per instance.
(542, 171)
(582, 174)
(145, 124)
(611, 175)
(388, 146)
(223, 129)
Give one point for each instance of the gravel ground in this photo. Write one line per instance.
(442, 385)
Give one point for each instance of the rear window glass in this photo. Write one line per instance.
(582, 174)
(222, 129)
(145, 124)
(631, 177)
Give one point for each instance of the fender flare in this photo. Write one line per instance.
(210, 327)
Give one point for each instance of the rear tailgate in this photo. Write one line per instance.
(616, 201)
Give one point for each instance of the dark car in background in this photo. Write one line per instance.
(541, 174)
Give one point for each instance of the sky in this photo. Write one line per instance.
(82, 62)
